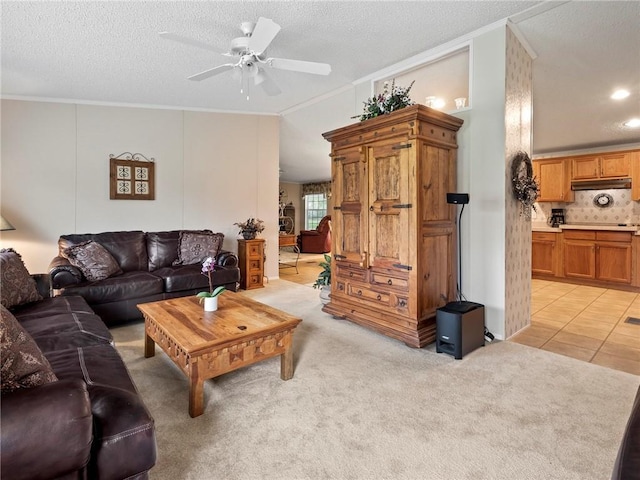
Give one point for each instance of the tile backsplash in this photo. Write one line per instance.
(583, 210)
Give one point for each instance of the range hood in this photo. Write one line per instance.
(602, 184)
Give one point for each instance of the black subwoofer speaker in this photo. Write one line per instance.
(459, 328)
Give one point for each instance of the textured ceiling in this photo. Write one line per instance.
(586, 50)
(111, 52)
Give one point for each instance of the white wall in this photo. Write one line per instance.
(306, 125)
(212, 170)
(482, 172)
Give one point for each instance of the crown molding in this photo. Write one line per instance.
(130, 105)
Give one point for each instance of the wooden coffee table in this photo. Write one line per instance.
(207, 344)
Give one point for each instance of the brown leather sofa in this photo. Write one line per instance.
(90, 422)
(318, 240)
(627, 466)
(148, 272)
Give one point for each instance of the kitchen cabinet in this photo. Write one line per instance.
(605, 256)
(554, 179)
(394, 236)
(251, 263)
(603, 166)
(634, 157)
(544, 253)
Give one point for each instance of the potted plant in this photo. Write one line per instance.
(251, 228)
(323, 282)
(386, 102)
(210, 298)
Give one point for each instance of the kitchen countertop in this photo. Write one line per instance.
(543, 227)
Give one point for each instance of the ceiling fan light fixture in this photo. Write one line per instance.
(620, 94)
(251, 69)
(258, 78)
(249, 57)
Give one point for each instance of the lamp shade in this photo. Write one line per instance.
(5, 225)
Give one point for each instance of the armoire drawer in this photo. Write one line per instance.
(389, 281)
(358, 291)
(351, 273)
(376, 298)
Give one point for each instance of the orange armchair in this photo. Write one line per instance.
(318, 240)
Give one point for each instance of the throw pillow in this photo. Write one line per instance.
(94, 261)
(22, 363)
(16, 285)
(194, 247)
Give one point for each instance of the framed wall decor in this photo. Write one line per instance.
(131, 177)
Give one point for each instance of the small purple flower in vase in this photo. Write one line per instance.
(208, 266)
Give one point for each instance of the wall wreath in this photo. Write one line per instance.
(525, 187)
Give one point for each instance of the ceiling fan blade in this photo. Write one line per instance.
(300, 66)
(189, 41)
(211, 72)
(263, 34)
(266, 83)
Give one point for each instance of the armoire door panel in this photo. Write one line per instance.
(437, 285)
(389, 205)
(437, 178)
(349, 216)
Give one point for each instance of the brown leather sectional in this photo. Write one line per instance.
(91, 422)
(627, 466)
(149, 275)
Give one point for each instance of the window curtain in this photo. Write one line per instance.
(315, 188)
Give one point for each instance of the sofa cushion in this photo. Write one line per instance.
(162, 248)
(23, 364)
(194, 247)
(95, 261)
(190, 277)
(128, 248)
(52, 305)
(123, 287)
(63, 322)
(16, 285)
(124, 428)
(185, 277)
(46, 431)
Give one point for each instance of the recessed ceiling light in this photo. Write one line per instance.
(620, 94)
(633, 123)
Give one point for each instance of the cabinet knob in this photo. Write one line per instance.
(379, 297)
(351, 274)
(389, 282)
(359, 292)
(371, 208)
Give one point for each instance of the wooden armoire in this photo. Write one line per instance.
(393, 232)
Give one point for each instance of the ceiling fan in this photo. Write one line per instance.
(249, 59)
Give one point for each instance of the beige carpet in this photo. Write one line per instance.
(362, 406)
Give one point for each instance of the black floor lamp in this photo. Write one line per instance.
(459, 199)
(459, 325)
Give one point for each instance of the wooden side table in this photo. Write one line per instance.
(251, 263)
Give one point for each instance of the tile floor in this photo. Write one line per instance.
(587, 323)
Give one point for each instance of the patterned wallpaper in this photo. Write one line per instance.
(583, 210)
(518, 109)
